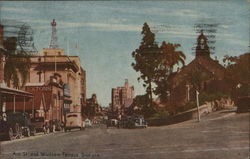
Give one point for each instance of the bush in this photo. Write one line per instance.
(160, 115)
(206, 97)
(186, 107)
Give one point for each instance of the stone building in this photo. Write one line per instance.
(53, 64)
(122, 97)
(203, 74)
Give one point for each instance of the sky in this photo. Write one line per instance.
(105, 33)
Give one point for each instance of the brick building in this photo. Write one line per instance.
(122, 97)
(48, 100)
(206, 72)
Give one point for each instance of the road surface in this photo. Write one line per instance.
(217, 136)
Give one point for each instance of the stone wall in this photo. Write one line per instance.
(208, 107)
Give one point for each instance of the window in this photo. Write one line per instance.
(39, 76)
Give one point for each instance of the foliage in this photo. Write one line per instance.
(203, 97)
(17, 64)
(160, 115)
(142, 102)
(196, 78)
(238, 68)
(238, 72)
(155, 64)
(186, 107)
(147, 58)
(208, 97)
(170, 57)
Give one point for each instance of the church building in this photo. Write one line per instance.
(203, 74)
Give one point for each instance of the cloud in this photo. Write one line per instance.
(189, 13)
(112, 25)
(238, 42)
(17, 9)
(101, 26)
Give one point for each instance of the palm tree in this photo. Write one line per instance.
(17, 64)
(172, 57)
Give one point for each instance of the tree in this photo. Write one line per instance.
(140, 106)
(238, 73)
(17, 64)
(147, 58)
(238, 68)
(196, 79)
(170, 57)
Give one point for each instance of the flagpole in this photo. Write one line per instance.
(55, 64)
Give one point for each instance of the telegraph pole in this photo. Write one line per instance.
(197, 102)
(188, 89)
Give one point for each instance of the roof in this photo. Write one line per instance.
(205, 63)
(12, 91)
(40, 98)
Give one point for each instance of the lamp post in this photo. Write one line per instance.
(197, 102)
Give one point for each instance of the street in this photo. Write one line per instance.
(218, 136)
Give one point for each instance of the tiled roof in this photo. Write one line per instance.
(207, 64)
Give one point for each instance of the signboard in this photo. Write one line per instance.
(66, 90)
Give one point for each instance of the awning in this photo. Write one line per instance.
(16, 100)
(12, 91)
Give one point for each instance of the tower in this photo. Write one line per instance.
(53, 43)
(202, 48)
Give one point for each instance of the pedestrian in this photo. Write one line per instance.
(45, 127)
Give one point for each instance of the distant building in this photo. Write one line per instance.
(122, 97)
(203, 70)
(93, 109)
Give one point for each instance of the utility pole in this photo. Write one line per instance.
(188, 89)
(197, 101)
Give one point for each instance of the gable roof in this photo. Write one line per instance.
(204, 63)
